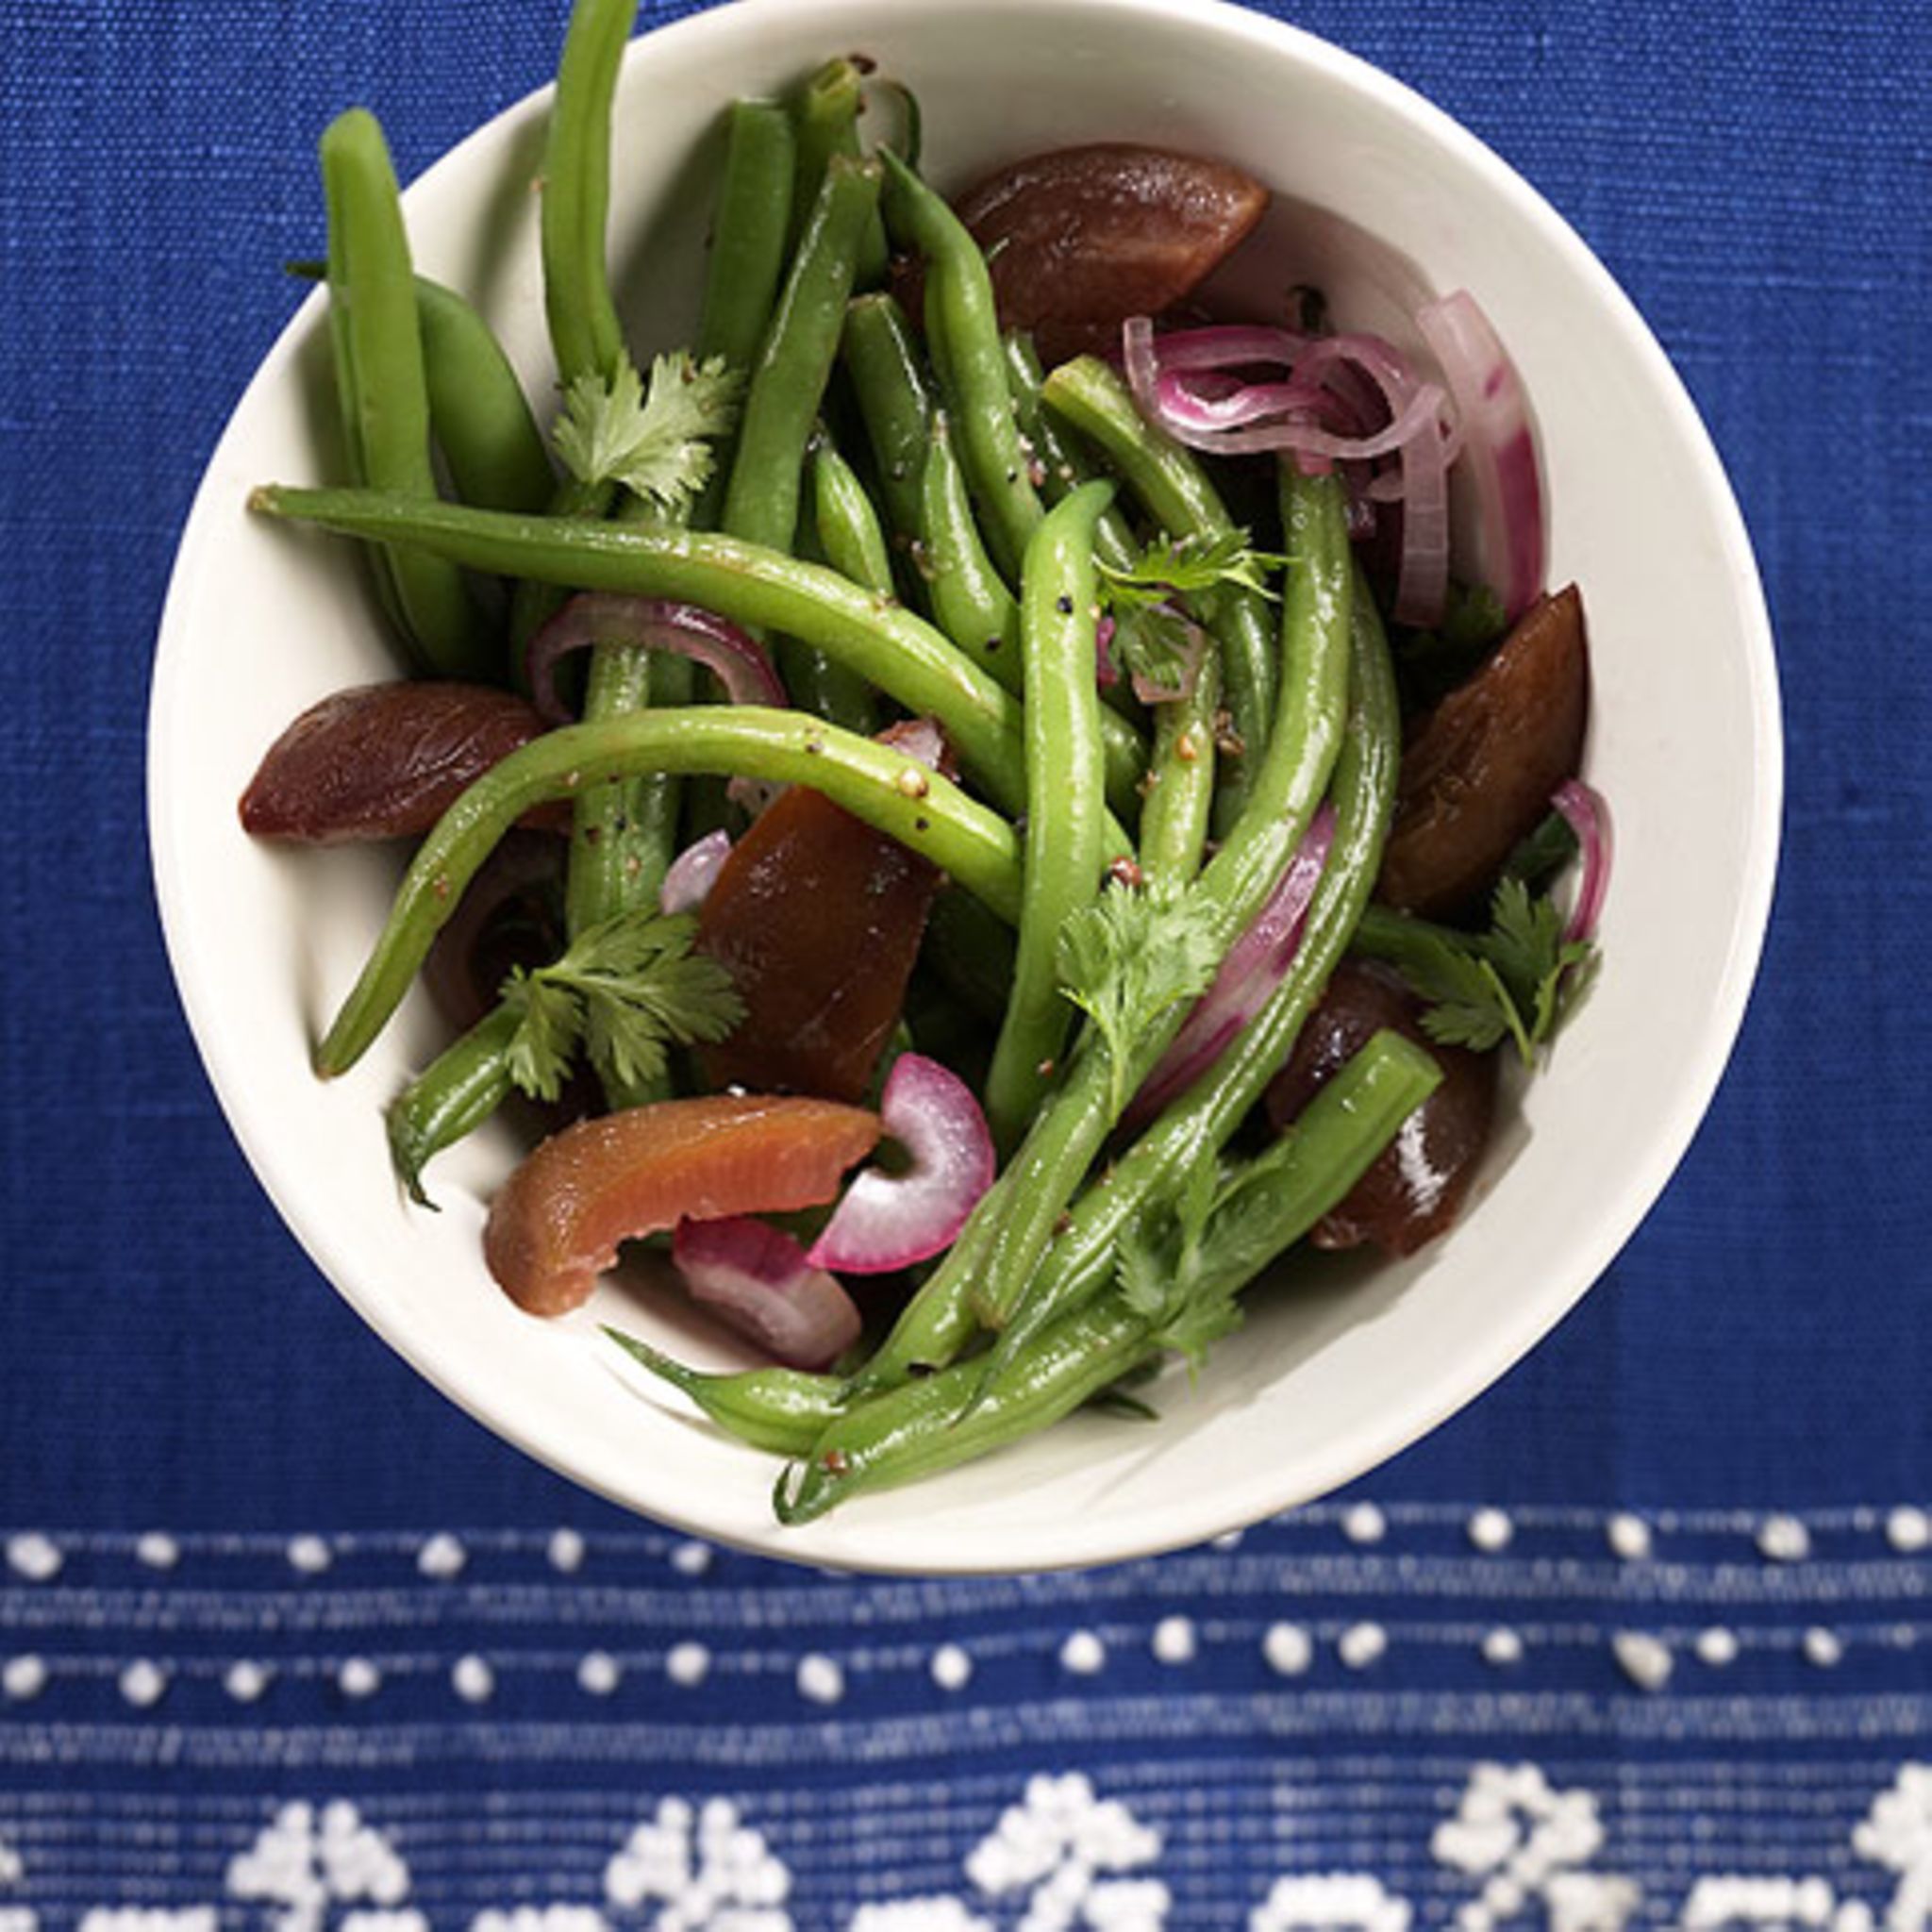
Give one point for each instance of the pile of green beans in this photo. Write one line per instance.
(916, 518)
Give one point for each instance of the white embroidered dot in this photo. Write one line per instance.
(1909, 1530)
(1361, 1645)
(473, 1679)
(597, 1673)
(566, 1551)
(1822, 1648)
(441, 1558)
(1174, 1640)
(1717, 1646)
(1228, 1540)
(952, 1669)
(1783, 1540)
(143, 1683)
(1501, 1647)
(359, 1678)
(245, 1680)
(820, 1679)
(1364, 1524)
(692, 1558)
(688, 1664)
(157, 1550)
(1288, 1649)
(310, 1554)
(1490, 1530)
(1083, 1654)
(1628, 1537)
(34, 1557)
(23, 1677)
(1646, 1660)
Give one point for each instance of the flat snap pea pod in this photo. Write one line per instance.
(758, 588)
(1065, 804)
(585, 333)
(938, 820)
(1179, 786)
(849, 539)
(453, 1096)
(826, 115)
(748, 232)
(963, 334)
(922, 1427)
(1060, 465)
(885, 369)
(383, 393)
(1175, 492)
(1197, 1125)
(780, 1410)
(478, 413)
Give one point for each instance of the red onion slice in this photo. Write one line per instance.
(1106, 674)
(1254, 966)
(1589, 817)
(688, 876)
(1498, 453)
(606, 617)
(757, 1279)
(889, 1221)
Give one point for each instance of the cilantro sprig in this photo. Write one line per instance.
(1520, 980)
(625, 992)
(1129, 958)
(657, 442)
(1153, 601)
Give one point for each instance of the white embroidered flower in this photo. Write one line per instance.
(150, 1919)
(1529, 1843)
(306, 1861)
(1062, 1845)
(707, 1871)
(542, 1918)
(1896, 1833)
(940, 1914)
(1330, 1902)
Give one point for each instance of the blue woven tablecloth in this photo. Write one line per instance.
(1643, 1638)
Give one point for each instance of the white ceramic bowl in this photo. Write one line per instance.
(1326, 1381)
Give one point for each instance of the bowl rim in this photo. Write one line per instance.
(1524, 1321)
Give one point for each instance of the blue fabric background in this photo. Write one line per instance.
(1759, 178)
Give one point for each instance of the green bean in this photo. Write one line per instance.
(1176, 492)
(826, 115)
(780, 1410)
(478, 413)
(1064, 802)
(1195, 1127)
(383, 391)
(969, 598)
(758, 588)
(970, 953)
(849, 539)
(887, 370)
(963, 334)
(959, 837)
(922, 1427)
(585, 333)
(748, 233)
(1060, 465)
(1180, 780)
(788, 382)
(459, 1090)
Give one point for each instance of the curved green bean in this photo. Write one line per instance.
(1060, 465)
(886, 368)
(1065, 804)
(1179, 785)
(969, 598)
(846, 528)
(826, 117)
(761, 589)
(453, 1096)
(746, 263)
(585, 333)
(780, 1410)
(1176, 492)
(383, 391)
(478, 413)
(963, 334)
(938, 820)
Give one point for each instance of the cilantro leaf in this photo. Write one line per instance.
(1128, 957)
(1158, 646)
(657, 445)
(626, 991)
(1171, 567)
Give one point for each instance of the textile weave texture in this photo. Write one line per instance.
(1639, 1638)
